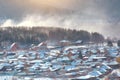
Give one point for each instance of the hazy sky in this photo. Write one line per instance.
(92, 15)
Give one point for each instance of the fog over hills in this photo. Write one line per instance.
(93, 15)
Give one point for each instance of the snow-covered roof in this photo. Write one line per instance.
(13, 44)
(64, 41)
(85, 77)
(102, 70)
(105, 66)
(99, 57)
(35, 61)
(69, 68)
(65, 58)
(75, 62)
(79, 41)
(112, 63)
(95, 73)
(116, 72)
(71, 74)
(20, 65)
(74, 47)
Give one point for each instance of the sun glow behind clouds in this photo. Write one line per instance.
(54, 3)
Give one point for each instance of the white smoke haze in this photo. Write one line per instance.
(70, 21)
(101, 16)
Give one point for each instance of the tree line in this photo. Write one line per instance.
(35, 35)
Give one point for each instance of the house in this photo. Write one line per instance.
(65, 43)
(95, 73)
(78, 42)
(14, 47)
(41, 47)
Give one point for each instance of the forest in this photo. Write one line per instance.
(35, 35)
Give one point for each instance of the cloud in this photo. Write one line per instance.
(18, 8)
(67, 21)
(91, 15)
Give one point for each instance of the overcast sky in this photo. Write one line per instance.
(93, 15)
